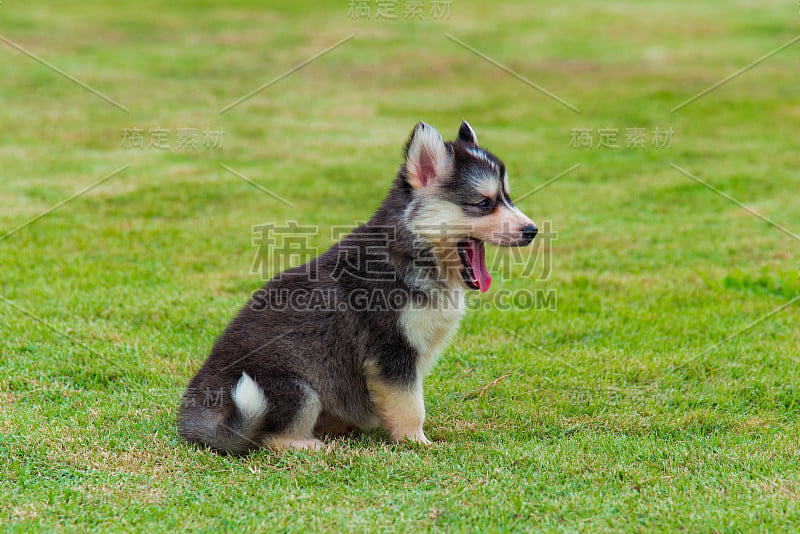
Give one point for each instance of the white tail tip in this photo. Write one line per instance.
(249, 398)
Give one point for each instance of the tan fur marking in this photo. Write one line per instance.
(401, 410)
(300, 434)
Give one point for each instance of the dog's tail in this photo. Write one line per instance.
(231, 427)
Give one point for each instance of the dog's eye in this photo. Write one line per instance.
(484, 204)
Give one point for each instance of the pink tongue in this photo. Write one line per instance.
(477, 260)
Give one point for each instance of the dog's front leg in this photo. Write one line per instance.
(400, 407)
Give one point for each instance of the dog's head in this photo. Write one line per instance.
(459, 200)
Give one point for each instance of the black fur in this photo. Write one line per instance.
(466, 135)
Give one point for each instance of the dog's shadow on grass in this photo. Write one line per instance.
(370, 440)
(353, 441)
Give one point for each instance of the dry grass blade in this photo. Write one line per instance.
(481, 391)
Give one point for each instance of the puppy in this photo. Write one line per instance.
(376, 311)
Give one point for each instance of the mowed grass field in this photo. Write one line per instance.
(662, 393)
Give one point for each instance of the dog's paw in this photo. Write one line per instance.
(303, 444)
(417, 437)
(423, 440)
(306, 444)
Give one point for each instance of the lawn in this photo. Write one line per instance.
(659, 391)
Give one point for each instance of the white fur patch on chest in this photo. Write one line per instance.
(429, 327)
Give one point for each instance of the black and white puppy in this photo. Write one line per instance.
(394, 291)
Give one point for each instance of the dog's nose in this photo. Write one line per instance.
(529, 232)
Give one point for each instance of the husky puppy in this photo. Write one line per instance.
(393, 290)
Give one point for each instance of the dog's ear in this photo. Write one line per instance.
(467, 134)
(427, 157)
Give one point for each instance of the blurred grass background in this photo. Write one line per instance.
(619, 412)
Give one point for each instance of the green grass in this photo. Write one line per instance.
(628, 408)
